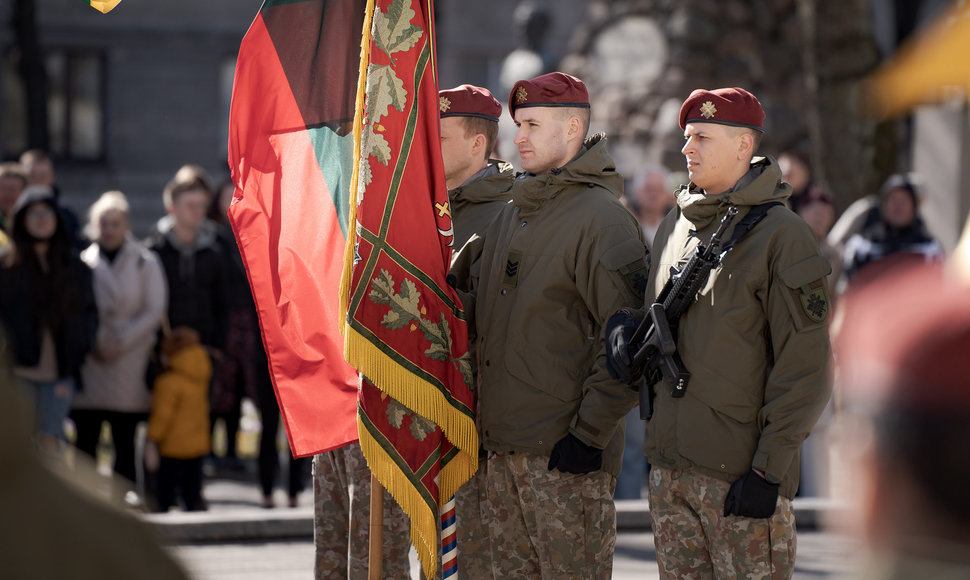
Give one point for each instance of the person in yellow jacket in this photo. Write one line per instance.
(178, 427)
(725, 450)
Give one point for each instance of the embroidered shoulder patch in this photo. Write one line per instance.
(814, 301)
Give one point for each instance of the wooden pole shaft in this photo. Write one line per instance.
(376, 535)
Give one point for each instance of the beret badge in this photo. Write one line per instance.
(521, 96)
(444, 104)
(708, 109)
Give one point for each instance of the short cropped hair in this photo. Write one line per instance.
(582, 113)
(481, 126)
(176, 188)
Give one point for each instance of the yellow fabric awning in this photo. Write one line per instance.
(931, 68)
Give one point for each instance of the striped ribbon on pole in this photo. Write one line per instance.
(449, 541)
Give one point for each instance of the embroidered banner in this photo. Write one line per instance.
(406, 331)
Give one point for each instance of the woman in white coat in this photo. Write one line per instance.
(130, 291)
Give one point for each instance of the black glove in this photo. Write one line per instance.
(752, 496)
(571, 455)
(619, 358)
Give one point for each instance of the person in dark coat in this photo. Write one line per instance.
(47, 306)
(194, 264)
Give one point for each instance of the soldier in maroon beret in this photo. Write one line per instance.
(724, 450)
(478, 186)
(555, 263)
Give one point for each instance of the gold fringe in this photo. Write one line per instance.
(414, 393)
(345, 278)
(424, 523)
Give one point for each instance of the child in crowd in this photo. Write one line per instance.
(178, 428)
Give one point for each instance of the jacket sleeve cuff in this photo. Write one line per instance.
(774, 467)
(587, 433)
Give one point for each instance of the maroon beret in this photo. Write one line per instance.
(555, 89)
(910, 358)
(735, 106)
(468, 101)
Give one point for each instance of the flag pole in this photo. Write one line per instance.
(449, 541)
(376, 535)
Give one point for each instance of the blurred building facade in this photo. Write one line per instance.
(142, 90)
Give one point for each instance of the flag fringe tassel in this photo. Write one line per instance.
(420, 397)
(424, 518)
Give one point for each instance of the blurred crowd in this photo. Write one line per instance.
(108, 334)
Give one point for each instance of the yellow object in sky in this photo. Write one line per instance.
(103, 6)
(930, 68)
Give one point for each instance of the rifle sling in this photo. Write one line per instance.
(747, 223)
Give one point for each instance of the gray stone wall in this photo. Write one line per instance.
(164, 102)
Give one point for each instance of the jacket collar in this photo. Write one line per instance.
(592, 166)
(761, 184)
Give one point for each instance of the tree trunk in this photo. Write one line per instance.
(803, 59)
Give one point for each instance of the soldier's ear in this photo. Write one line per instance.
(479, 144)
(745, 145)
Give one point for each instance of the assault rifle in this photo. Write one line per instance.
(655, 340)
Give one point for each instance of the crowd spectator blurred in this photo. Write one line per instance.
(178, 428)
(38, 168)
(817, 208)
(245, 370)
(894, 227)
(796, 171)
(651, 199)
(130, 291)
(12, 184)
(47, 306)
(234, 377)
(13, 181)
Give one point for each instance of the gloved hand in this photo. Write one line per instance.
(619, 357)
(752, 496)
(570, 455)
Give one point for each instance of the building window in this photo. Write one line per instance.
(75, 105)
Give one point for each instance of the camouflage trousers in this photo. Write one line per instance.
(548, 524)
(694, 540)
(341, 519)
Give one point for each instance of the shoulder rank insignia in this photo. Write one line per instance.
(814, 302)
(708, 109)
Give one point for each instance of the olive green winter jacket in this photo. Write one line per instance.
(556, 263)
(475, 204)
(755, 341)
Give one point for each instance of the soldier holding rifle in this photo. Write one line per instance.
(735, 358)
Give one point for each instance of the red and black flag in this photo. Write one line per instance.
(291, 155)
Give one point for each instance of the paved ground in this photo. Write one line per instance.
(238, 540)
(820, 556)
